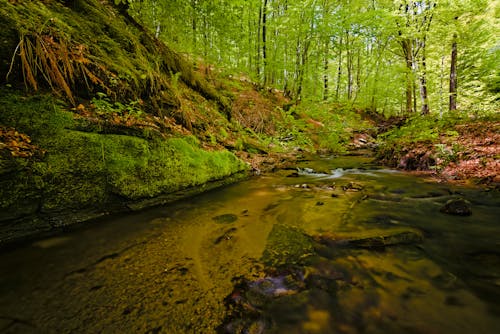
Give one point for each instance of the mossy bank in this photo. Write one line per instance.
(98, 116)
(68, 175)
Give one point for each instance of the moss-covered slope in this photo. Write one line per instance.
(72, 175)
(96, 117)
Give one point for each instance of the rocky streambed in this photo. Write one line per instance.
(335, 245)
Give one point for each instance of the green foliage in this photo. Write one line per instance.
(291, 131)
(422, 129)
(355, 45)
(327, 126)
(104, 105)
(447, 154)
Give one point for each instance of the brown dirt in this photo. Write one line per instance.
(256, 110)
(472, 156)
(479, 153)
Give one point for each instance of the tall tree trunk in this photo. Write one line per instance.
(302, 59)
(349, 66)
(325, 71)
(453, 74)
(408, 53)
(259, 35)
(194, 27)
(264, 41)
(205, 37)
(339, 71)
(423, 82)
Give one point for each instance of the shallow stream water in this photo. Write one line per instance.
(232, 261)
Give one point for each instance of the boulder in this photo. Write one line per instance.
(457, 207)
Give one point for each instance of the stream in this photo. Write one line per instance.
(339, 245)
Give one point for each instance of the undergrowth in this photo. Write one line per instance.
(322, 126)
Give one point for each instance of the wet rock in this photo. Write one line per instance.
(384, 220)
(352, 186)
(293, 174)
(280, 285)
(227, 218)
(271, 206)
(385, 198)
(457, 207)
(319, 203)
(326, 187)
(453, 301)
(253, 301)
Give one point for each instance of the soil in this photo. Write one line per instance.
(479, 154)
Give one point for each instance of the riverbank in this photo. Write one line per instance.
(460, 150)
(90, 129)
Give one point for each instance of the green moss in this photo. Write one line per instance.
(138, 169)
(19, 193)
(108, 51)
(39, 116)
(287, 246)
(73, 172)
(85, 169)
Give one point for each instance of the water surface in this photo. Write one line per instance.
(197, 266)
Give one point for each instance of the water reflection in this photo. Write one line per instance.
(341, 246)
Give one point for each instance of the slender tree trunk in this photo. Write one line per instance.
(264, 42)
(339, 71)
(441, 88)
(423, 81)
(325, 71)
(194, 29)
(205, 37)
(407, 50)
(349, 67)
(259, 35)
(453, 74)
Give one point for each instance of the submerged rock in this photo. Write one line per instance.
(457, 207)
(228, 235)
(227, 218)
(390, 239)
(376, 240)
(287, 245)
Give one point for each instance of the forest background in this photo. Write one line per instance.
(393, 57)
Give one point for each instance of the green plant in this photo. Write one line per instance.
(104, 105)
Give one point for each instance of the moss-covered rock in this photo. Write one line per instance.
(287, 246)
(86, 173)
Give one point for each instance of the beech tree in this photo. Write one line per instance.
(386, 55)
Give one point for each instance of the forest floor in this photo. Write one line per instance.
(477, 158)
(467, 153)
